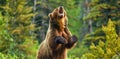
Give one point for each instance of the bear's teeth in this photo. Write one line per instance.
(61, 14)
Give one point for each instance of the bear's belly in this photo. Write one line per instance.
(60, 54)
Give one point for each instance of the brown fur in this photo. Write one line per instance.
(57, 30)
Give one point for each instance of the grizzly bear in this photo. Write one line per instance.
(58, 38)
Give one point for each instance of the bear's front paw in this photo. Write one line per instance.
(60, 40)
(74, 38)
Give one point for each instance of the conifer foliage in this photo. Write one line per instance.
(107, 49)
(16, 36)
(96, 23)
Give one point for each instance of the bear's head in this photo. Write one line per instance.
(58, 18)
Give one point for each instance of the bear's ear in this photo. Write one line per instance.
(50, 15)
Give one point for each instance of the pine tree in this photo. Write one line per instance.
(108, 49)
(100, 12)
(16, 37)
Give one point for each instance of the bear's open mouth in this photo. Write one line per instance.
(61, 11)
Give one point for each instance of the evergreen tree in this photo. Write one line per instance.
(100, 12)
(16, 37)
(108, 49)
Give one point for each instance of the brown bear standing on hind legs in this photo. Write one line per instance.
(58, 38)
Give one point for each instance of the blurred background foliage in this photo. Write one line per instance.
(96, 23)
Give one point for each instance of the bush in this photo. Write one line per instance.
(8, 56)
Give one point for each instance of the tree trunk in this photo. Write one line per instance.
(34, 10)
(89, 21)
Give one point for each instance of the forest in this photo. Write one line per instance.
(96, 23)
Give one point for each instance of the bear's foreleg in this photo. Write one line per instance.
(71, 42)
(60, 40)
(71, 39)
